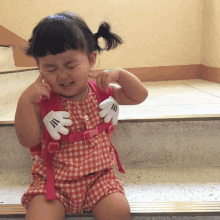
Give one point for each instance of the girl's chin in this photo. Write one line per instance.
(67, 94)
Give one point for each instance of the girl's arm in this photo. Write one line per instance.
(131, 91)
(28, 125)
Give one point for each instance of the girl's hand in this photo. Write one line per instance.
(36, 91)
(103, 78)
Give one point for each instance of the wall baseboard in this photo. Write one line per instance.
(210, 73)
(165, 73)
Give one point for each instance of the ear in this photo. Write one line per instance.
(93, 59)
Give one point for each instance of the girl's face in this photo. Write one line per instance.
(71, 66)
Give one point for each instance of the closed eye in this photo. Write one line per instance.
(51, 70)
(72, 67)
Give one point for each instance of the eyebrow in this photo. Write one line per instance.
(68, 62)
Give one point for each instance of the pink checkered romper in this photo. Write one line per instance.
(83, 170)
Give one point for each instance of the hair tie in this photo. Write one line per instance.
(60, 17)
(97, 35)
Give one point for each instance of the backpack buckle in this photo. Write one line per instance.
(53, 147)
(91, 133)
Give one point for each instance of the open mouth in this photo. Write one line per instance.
(67, 84)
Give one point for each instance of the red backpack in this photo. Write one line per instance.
(54, 104)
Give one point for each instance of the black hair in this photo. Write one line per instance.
(63, 31)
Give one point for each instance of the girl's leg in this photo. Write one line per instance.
(114, 206)
(41, 209)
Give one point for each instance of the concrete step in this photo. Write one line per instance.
(141, 184)
(135, 218)
(140, 144)
(178, 162)
(166, 212)
(150, 192)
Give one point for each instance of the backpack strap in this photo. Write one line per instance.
(48, 153)
(101, 95)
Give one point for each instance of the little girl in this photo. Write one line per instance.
(65, 50)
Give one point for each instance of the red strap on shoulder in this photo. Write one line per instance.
(52, 104)
(101, 95)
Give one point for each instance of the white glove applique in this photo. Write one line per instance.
(55, 122)
(110, 110)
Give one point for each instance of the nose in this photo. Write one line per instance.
(62, 74)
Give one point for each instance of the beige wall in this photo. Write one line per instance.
(211, 34)
(156, 32)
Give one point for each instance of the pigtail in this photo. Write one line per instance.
(111, 40)
(28, 49)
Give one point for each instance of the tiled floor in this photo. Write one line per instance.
(176, 99)
(167, 99)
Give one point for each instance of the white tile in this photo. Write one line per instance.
(169, 111)
(166, 99)
(174, 93)
(205, 86)
(11, 87)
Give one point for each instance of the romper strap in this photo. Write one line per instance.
(120, 167)
(50, 184)
(86, 135)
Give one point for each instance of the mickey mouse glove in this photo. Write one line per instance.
(110, 110)
(55, 121)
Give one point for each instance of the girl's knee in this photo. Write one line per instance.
(40, 208)
(122, 212)
(114, 206)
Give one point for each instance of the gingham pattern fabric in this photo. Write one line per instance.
(75, 160)
(80, 195)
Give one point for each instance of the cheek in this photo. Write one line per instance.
(50, 80)
(85, 68)
(81, 72)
